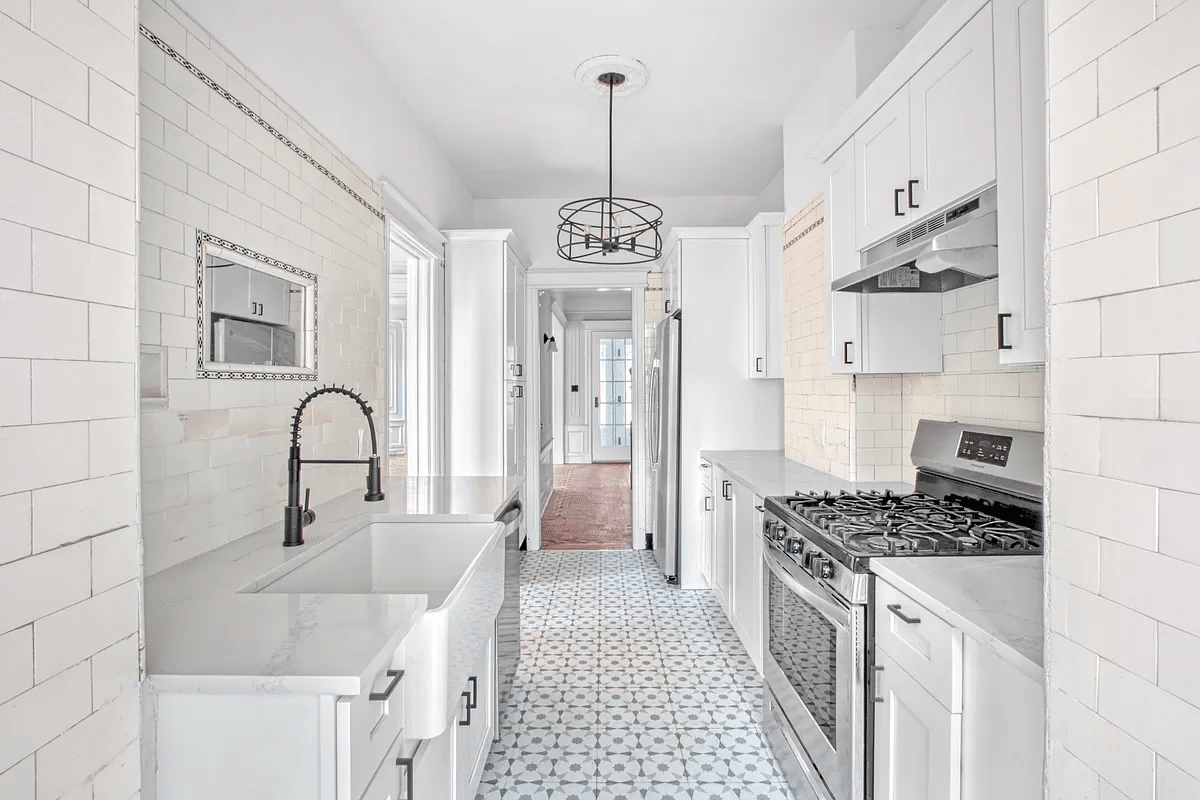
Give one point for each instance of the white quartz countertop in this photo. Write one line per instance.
(769, 472)
(203, 635)
(996, 600)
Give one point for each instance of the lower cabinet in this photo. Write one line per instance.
(722, 551)
(747, 598)
(918, 742)
(953, 720)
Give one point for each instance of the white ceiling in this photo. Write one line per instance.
(595, 304)
(494, 85)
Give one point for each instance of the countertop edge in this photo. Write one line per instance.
(1030, 668)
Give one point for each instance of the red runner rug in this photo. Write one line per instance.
(589, 509)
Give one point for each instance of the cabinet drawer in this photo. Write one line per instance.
(706, 475)
(413, 770)
(926, 646)
(368, 727)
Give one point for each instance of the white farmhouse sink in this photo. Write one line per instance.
(459, 566)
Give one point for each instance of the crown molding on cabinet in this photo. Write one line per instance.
(947, 21)
(492, 235)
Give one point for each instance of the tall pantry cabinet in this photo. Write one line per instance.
(486, 352)
(721, 407)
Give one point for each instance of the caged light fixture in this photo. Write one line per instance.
(610, 230)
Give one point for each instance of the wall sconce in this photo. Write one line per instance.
(551, 345)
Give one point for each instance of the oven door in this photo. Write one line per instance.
(815, 665)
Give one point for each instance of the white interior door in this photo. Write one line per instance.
(611, 355)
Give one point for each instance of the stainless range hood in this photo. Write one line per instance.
(953, 248)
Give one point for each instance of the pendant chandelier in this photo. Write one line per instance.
(610, 230)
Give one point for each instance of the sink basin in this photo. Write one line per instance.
(458, 566)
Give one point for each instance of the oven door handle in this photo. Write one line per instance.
(810, 591)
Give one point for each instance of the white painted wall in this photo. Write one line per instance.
(1123, 570)
(70, 571)
(214, 458)
(312, 56)
(536, 221)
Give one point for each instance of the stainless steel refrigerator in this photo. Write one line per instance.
(664, 443)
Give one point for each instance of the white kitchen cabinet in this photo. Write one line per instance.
(764, 356)
(876, 332)
(485, 353)
(475, 727)
(1021, 136)
(882, 152)
(952, 118)
(672, 280)
(723, 532)
(746, 606)
(918, 742)
(933, 142)
(238, 291)
(707, 509)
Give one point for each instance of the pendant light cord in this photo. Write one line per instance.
(611, 221)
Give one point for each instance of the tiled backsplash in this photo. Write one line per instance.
(214, 458)
(861, 427)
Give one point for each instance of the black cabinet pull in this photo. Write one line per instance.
(407, 765)
(895, 609)
(846, 353)
(474, 691)
(1000, 345)
(896, 202)
(396, 675)
(911, 184)
(667, 307)
(467, 722)
(758, 365)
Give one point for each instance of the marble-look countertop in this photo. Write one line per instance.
(769, 472)
(996, 600)
(203, 635)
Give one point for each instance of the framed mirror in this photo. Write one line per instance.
(256, 316)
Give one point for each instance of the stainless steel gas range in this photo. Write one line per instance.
(978, 492)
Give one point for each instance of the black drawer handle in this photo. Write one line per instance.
(895, 609)
(846, 353)
(407, 765)
(896, 201)
(911, 184)
(396, 675)
(758, 365)
(474, 691)
(1000, 345)
(467, 722)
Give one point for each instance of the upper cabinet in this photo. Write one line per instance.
(672, 280)
(1021, 137)
(952, 118)
(764, 355)
(933, 142)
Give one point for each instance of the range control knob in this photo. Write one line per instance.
(821, 567)
(780, 532)
(806, 561)
(795, 546)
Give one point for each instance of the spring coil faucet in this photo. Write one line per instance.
(295, 516)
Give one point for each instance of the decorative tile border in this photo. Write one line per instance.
(190, 67)
(201, 372)
(803, 233)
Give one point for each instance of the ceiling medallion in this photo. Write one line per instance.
(610, 230)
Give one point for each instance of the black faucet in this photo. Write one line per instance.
(296, 517)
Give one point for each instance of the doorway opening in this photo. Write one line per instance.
(591, 504)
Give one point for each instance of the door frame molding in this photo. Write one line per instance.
(591, 328)
(635, 279)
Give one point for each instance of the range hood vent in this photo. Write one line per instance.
(948, 250)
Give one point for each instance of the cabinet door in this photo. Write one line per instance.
(273, 297)
(514, 318)
(901, 332)
(841, 258)
(514, 427)
(706, 521)
(918, 742)
(773, 258)
(434, 774)
(881, 168)
(747, 599)
(758, 316)
(229, 291)
(672, 284)
(953, 120)
(723, 528)
(474, 727)
(1021, 136)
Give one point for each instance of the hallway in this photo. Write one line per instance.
(590, 508)
(627, 689)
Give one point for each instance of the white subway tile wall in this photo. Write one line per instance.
(216, 454)
(70, 550)
(818, 406)
(1124, 559)
(862, 427)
